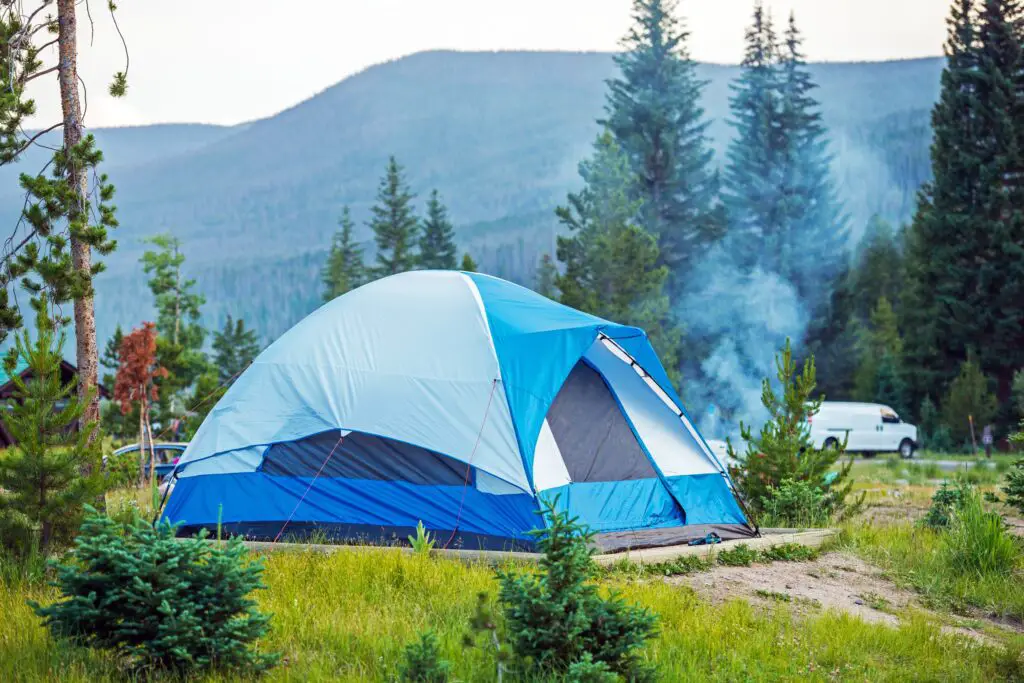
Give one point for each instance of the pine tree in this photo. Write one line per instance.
(437, 241)
(611, 264)
(468, 264)
(112, 357)
(653, 111)
(964, 267)
(782, 451)
(890, 386)
(66, 221)
(344, 270)
(816, 248)
(880, 341)
(784, 212)
(998, 247)
(176, 302)
(234, 348)
(394, 225)
(755, 162)
(544, 280)
(970, 399)
(878, 269)
(42, 491)
(181, 335)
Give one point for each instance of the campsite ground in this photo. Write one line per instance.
(873, 605)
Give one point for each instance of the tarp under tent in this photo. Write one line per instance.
(457, 400)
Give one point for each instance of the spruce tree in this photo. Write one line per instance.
(814, 251)
(785, 216)
(611, 264)
(755, 162)
(42, 489)
(344, 270)
(111, 357)
(437, 241)
(653, 111)
(234, 347)
(964, 268)
(394, 225)
(544, 281)
(881, 377)
(468, 264)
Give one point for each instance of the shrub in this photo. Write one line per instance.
(555, 616)
(945, 502)
(158, 601)
(423, 662)
(783, 449)
(795, 504)
(978, 542)
(1014, 486)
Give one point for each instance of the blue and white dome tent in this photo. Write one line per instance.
(455, 399)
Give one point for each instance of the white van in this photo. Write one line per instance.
(870, 428)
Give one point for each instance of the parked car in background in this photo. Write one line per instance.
(165, 454)
(870, 429)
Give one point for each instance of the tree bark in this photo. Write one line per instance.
(85, 318)
(142, 443)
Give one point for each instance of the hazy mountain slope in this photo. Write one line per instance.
(499, 134)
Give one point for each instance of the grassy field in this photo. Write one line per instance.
(348, 616)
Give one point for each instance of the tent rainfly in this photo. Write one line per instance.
(456, 400)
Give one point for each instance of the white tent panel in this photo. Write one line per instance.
(549, 469)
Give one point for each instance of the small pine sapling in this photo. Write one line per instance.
(423, 662)
(783, 449)
(1014, 487)
(157, 601)
(42, 487)
(555, 616)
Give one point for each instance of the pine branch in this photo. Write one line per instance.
(37, 74)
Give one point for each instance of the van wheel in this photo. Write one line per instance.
(830, 444)
(906, 449)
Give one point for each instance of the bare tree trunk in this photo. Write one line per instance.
(152, 451)
(142, 442)
(71, 106)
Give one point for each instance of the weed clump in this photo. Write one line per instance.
(978, 542)
(945, 502)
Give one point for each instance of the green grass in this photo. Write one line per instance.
(920, 558)
(739, 556)
(348, 616)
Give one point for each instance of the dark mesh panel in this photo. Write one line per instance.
(363, 456)
(592, 434)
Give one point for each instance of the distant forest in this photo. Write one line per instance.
(498, 134)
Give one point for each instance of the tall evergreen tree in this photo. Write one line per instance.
(112, 357)
(437, 241)
(653, 111)
(816, 248)
(468, 264)
(784, 212)
(181, 335)
(545, 278)
(611, 264)
(755, 162)
(234, 347)
(344, 270)
(394, 225)
(965, 268)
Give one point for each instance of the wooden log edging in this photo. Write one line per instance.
(770, 537)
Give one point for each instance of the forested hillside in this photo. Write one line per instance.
(498, 134)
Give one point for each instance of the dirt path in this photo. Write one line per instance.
(838, 581)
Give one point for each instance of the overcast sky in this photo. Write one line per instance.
(228, 61)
